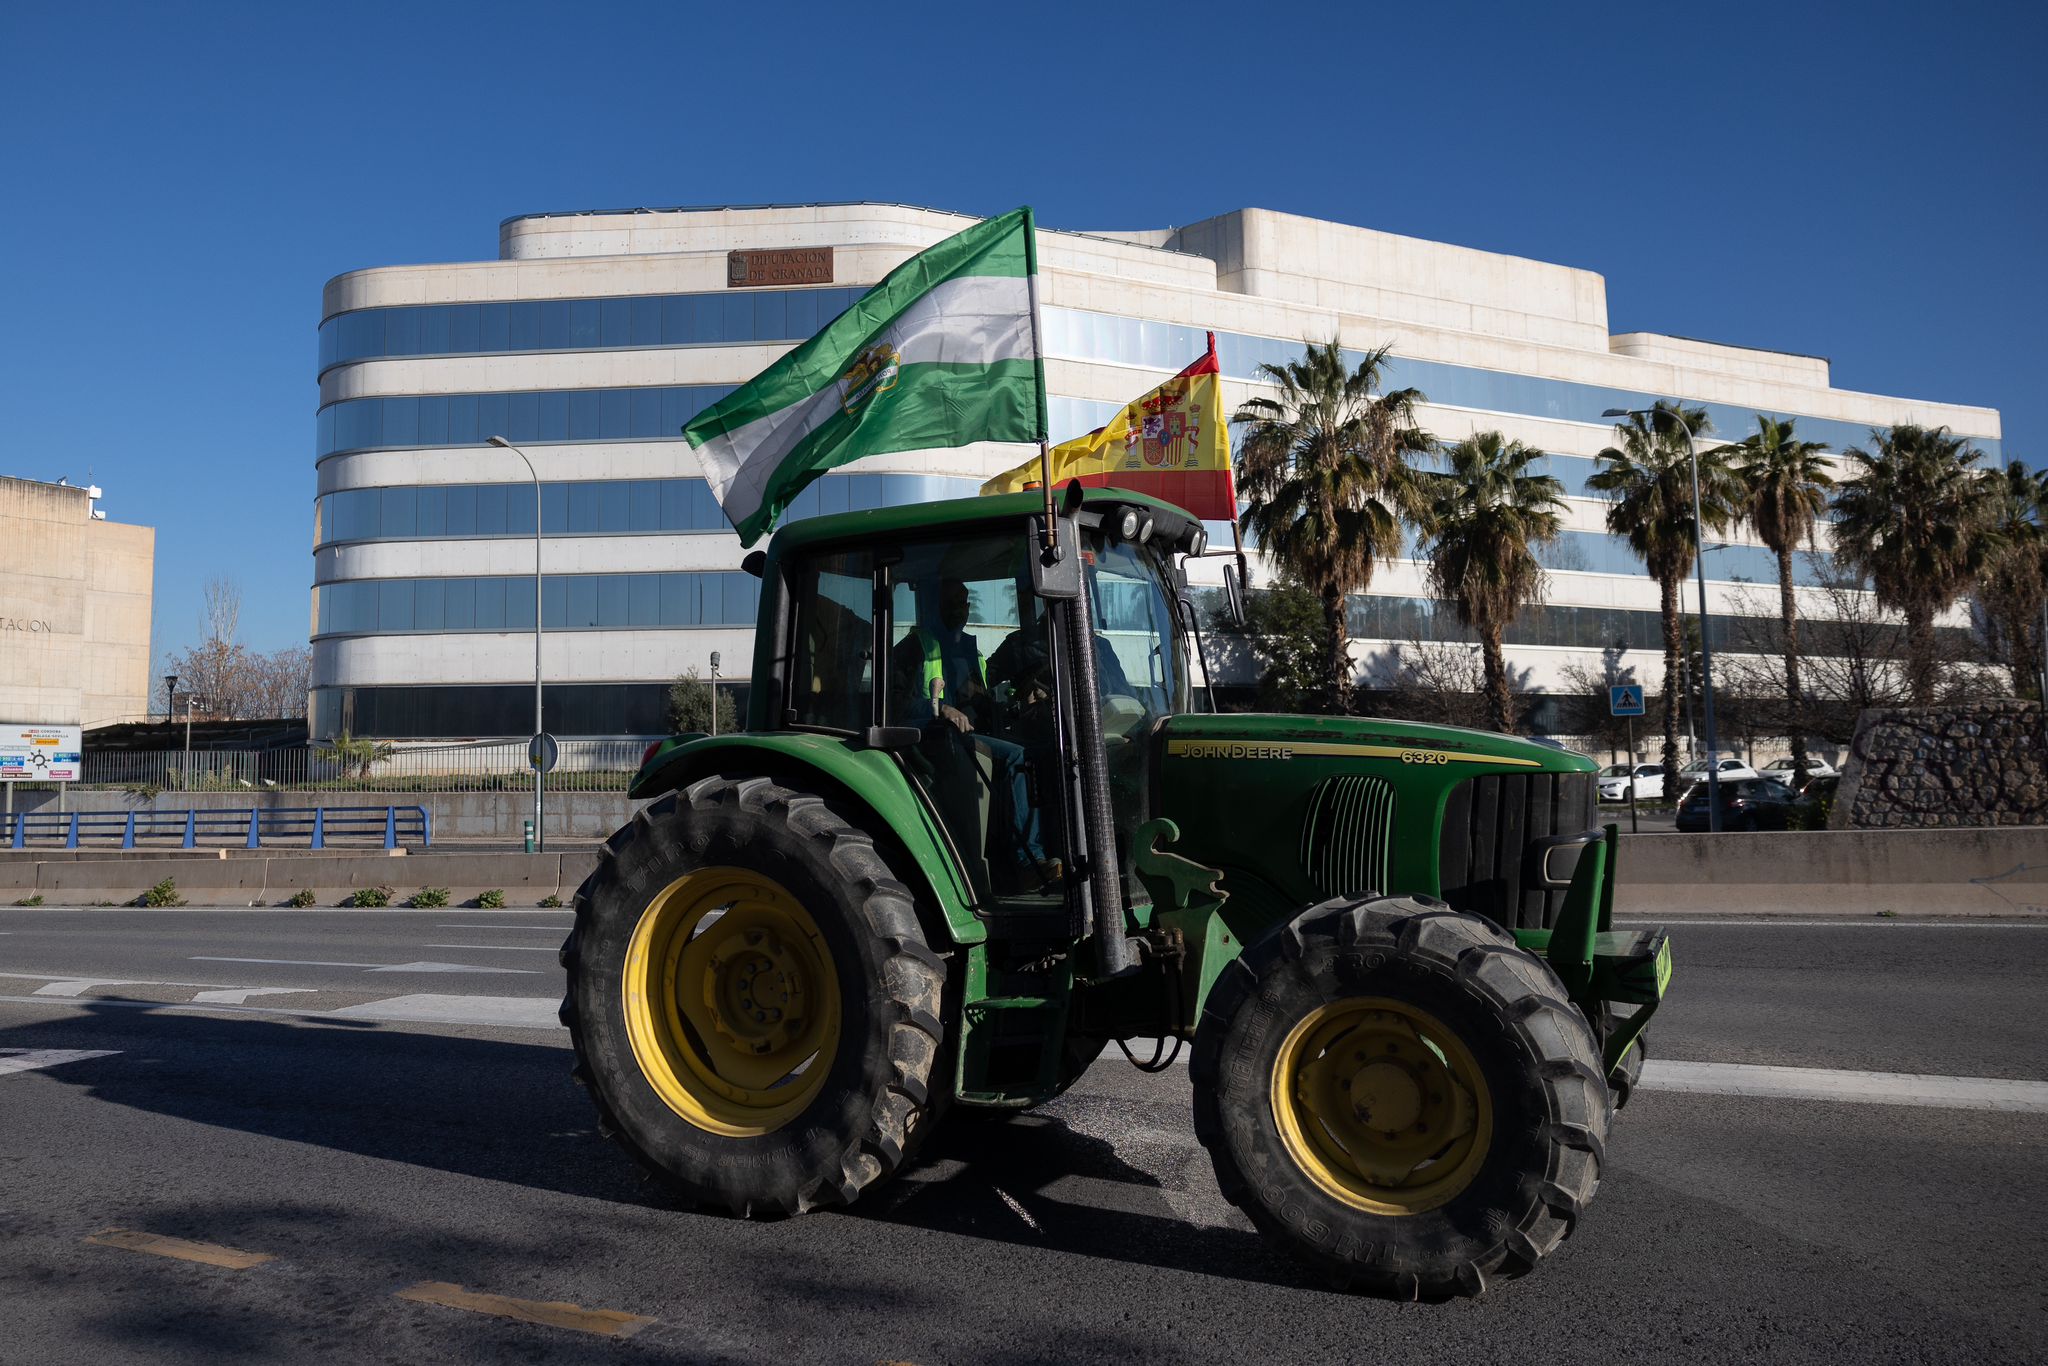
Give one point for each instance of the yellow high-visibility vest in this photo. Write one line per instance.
(934, 669)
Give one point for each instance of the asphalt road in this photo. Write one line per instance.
(366, 1153)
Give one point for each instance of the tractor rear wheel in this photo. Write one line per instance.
(1402, 1095)
(754, 1008)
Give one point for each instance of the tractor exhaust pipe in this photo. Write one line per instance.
(1114, 953)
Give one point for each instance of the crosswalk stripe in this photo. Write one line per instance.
(35, 1059)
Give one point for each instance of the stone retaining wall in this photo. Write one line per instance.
(1916, 768)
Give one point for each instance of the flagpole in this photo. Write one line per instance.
(1049, 540)
(1236, 532)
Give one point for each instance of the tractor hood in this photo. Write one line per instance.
(1406, 744)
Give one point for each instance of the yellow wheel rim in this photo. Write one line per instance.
(732, 1002)
(1381, 1105)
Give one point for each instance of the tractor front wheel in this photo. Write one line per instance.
(753, 1005)
(1402, 1095)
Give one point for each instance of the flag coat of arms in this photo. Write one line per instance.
(1172, 444)
(942, 353)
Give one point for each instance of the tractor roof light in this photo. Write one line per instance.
(1198, 541)
(1145, 529)
(1127, 525)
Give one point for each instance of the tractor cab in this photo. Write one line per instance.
(947, 644)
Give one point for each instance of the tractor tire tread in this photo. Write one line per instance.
(909, 986)
(1530, 1004)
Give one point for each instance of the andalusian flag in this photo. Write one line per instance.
(942, 353)
(1172, 444)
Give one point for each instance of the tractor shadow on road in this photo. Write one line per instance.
(507, 1111)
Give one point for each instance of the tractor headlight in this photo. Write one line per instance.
(1127, 525)
(1145, 529)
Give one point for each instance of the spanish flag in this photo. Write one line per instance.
(1173, 444)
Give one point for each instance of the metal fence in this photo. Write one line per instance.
(497, 766)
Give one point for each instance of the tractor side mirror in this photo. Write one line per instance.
(1061, 578)
(1233, 595)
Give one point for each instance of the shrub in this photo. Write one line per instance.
(491, 900)
(302, 898)
(369, 896)
(428, 897)
(32, 899)
(165, 893)
(551, 900)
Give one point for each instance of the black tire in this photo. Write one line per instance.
(856, 1130)
(1532, 1047)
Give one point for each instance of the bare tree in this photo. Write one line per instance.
(1854, 656)
(279, 683)
(1586, 713)
(1441, 682)
(222, 679)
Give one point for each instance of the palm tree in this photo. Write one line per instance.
(1785, 483)
(1648, 482)
(2011, 592)
(1487, 513)
(1325, 473)
(1914, 517)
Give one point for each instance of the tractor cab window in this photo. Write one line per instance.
(1141, 669)
(1141, 673)
(834, 669)
(962, 668)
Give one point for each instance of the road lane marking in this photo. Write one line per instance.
(1760, 1082)
(35, 1059)
(239, 996)
(528, 1012)
(604, 1323)
(536, 928)
(213, 1254)
(371, 967)
(1680, 922)
(284, 962)
(498, 948)
(78, 986)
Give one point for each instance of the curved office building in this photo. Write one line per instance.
(594, 337)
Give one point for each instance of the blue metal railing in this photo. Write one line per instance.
(308, 827)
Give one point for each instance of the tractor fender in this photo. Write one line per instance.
(868, 788)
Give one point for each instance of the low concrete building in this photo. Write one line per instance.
(595, 336)
(76, 592)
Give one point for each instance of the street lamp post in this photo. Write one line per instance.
(170, 694)
(540, 776)
(1699, 564)
(714, 692)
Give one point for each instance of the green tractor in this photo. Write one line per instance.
(976, 830)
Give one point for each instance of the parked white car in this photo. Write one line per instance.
(1615, 780)
(1781, 769)
(1728, 770)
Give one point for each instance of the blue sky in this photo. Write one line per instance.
(1863, 182)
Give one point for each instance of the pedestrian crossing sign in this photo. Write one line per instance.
(1625, 699)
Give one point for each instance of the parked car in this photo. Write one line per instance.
(1781, 769)
(1694, 774)
(1746, 804)
(1615, 780)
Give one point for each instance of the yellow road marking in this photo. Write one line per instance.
(605, 1323)
(1289, 749)
(213, 1254)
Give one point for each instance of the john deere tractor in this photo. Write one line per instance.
(977, 829)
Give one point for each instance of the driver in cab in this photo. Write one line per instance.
(937, 675)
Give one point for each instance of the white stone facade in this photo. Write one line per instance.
(1497, 342)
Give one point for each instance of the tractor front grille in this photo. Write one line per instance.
(1489, 823)
(1344, 838)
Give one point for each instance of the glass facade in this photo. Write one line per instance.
(1377, 617)
(617, 507)
(1075, 334)
(529, 417)
(569, 602)
(729, 317)
(495, 709)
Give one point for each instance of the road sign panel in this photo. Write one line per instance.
(40, 754)
(1625, 699)
(542, 752)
